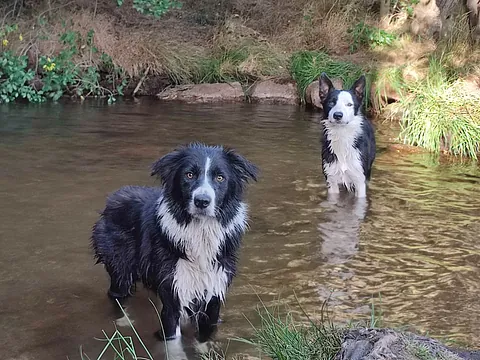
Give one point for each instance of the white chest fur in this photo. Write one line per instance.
(201, 276)
(347, 169)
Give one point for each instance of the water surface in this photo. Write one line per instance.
(415, 241)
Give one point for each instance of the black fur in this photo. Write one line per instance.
(129, 240)
(366, 145)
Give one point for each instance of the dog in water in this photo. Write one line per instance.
(348, 149)
(180, 239)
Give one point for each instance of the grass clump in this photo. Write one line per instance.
(441, 114)
(306, 67)
(243, 59)
(280, 337)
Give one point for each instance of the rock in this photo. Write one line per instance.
(379, 344)
(271, 92)
(312, 96)
(204, 93)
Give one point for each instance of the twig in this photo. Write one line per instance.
(141, 81)
(54, 8)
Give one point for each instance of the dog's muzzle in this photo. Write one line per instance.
(202, 201)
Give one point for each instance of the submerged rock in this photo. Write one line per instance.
(383, 344)
(272, 92)
(204, 93)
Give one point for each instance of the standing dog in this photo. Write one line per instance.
(348, 149)
(180, 240)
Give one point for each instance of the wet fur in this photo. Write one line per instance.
(150, 235)
(349, 148)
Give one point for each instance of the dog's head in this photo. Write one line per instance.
(204, 179)
(341, 106)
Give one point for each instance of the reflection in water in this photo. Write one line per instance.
(416, 242)
(341, 228)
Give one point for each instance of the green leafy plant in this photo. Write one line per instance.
(15, 78)
(74, 70)
(156, 8)
(369, 36)
(406, 6)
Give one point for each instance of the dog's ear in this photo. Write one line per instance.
(166, 167)
(358, 88)
(325, 85)
(244, 168)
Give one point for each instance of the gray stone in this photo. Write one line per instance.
(204, 93)
(271, 92)
(387, 344)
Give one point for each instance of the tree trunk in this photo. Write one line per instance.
(473, 7)
(430, 17)
(384, 12)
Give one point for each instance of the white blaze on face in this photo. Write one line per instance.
(205, 188)
(345, 106)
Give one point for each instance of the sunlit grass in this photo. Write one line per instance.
(245, 63)
(439, 114)
(306, 67)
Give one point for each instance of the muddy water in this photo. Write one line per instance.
(415, 241)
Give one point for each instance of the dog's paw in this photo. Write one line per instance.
(161, 337)
(124, 321)
(202, 347)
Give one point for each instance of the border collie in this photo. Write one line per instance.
(348, 149)
(180, 239)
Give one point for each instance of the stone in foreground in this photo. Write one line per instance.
(383, 344)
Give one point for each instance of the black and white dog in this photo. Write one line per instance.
(348, 149)
(181, 239)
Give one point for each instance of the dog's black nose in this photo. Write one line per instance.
(202, 201)
(337, 115)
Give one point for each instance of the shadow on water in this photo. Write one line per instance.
(414, 240)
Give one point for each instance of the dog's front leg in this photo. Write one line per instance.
(361, 189)
(332, 187)
(208, 321)
(169, 317)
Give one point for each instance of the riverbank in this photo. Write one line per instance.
(280, 336)
(81, 49)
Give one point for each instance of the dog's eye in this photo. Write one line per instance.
(220, 178)
(349, 104)
(189, 175)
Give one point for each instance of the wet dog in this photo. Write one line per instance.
(181, 239)
(349, 148)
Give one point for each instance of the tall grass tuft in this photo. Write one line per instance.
(245, 62)
(441, 114)
(306, 67)
(281, 338)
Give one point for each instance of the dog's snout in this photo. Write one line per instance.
(337, 115)
(202, 201)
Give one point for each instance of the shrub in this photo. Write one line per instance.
(75, 70)
(369, 36)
